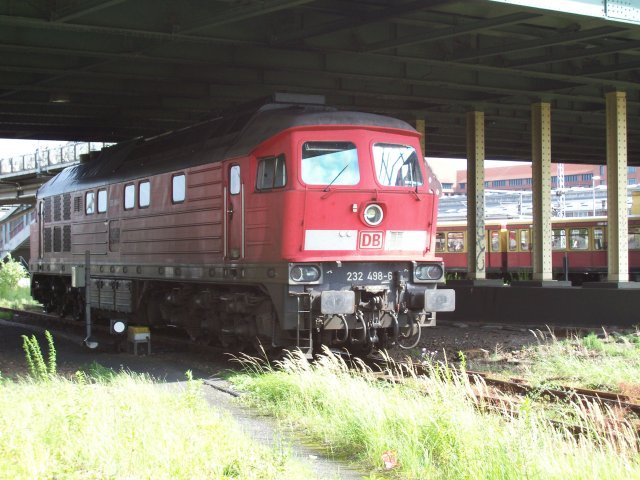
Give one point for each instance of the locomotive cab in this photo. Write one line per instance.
(361, 265)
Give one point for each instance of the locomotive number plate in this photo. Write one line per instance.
(370, 276)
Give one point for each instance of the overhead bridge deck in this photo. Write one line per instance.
(500, 79)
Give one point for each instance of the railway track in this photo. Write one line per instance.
(503, 396)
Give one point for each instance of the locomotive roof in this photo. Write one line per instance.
(217, 139)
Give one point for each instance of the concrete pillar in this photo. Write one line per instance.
(420, 126)
(541, 190)
(617, 232)
(476, 242)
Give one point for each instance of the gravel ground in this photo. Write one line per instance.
(447, 339)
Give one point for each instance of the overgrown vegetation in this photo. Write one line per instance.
(38, 368)
(106, 424)
(433, 429)
(14, 291)
(605, 361)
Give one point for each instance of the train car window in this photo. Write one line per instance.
(144, 194)
(525, 240)
(102, 201)
(513, 242)
(235, 182)
(89, 202)
(579, 238)
(330, 163)
(634, 238)
(599, 239)
(455, 241)
(558, 239)
(494, 241)
(440, 243)
(178, 188)
(396, 165)
(271, 173)
(129, 196)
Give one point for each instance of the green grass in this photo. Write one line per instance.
(16, 297)
(125, 426)
(14, 285)
(609, 362)
(434, 427)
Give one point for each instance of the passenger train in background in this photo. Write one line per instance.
(579, 248)
(291, 224)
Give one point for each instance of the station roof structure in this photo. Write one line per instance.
(111, 70)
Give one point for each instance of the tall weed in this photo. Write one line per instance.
(39, 369)
(435, 427)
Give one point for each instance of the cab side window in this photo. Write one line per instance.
(102, 200)
(178, 188)
(271, 173)
(235, 181)
(89, 202)
(129, 196)
(144, 194)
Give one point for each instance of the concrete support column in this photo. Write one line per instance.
(541, 194)
(617, 232)
(476, 242)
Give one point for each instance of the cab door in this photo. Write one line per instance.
(234, 217)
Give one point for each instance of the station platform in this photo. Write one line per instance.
(561, 305)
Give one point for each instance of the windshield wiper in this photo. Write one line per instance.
(326, 189)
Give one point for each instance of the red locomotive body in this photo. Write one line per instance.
(579, 248)
(297, 225)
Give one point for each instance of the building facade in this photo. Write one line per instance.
(518, 177)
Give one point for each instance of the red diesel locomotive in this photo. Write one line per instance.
(295, 225)
(579, 248)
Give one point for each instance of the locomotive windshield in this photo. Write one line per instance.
(330, 163)
(396, 165)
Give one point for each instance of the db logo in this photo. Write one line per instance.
(371, 239)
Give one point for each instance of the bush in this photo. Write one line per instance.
(11, 272)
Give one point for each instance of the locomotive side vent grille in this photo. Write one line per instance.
(66, 206)
(77, 204)
(66, 238)
(47, 240)
(57, 208)
(47, 210)
(57, 239)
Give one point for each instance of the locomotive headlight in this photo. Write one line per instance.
(304, 273)
(427, 272)
(373, 214)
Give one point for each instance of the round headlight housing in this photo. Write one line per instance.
(118, 327)
(428, 272)
(373, 214)
(304, 273)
